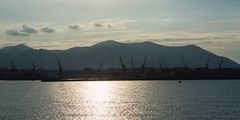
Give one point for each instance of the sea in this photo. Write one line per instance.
(120, 100)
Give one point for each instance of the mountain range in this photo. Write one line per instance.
(109, 52)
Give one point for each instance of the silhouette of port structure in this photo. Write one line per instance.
(132, 72)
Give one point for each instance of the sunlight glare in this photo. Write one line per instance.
(100, 91)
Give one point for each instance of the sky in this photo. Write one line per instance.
(60, 24)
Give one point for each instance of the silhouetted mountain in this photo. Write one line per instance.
(18, 48)
(109, 51)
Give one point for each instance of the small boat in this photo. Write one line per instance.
(179, 81)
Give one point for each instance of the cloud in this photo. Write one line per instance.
(106, 25)
(23, 31)
(74, 27)
(47, 30)
(184, 38)
(28, 29)
(99, 25)
(110, 26)
(113, 23)
(16, 33)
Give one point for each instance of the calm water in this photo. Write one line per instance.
(198, 100)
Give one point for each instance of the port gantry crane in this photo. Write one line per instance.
(160, 64)
(100, 66)
(220, 63)
(122, 64)
(184, 63)
(33, 66)
(164, 62)
(13, 66)
(60, 69)
(207, 64)
(144, 64)
(133, 65)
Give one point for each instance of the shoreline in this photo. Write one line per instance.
(119, 80)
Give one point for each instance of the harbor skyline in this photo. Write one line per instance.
(60, 24)
(119, 59)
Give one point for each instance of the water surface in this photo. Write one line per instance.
(117, 100)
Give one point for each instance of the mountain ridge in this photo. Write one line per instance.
(109, 51)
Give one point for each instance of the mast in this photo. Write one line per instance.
(184, 63)
(122, 64)
(100, 66)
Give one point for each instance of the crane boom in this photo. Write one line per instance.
(183, 60)
(122, 64)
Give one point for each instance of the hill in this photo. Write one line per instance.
(109, 51)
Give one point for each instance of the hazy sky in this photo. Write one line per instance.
(60, 24)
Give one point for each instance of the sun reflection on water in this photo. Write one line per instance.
(102, 100)
(99, 91)
(99, 95)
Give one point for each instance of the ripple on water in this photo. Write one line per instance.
(120, 100)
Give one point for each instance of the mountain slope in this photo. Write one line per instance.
(109, 52)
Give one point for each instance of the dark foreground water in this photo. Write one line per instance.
(118, 100)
